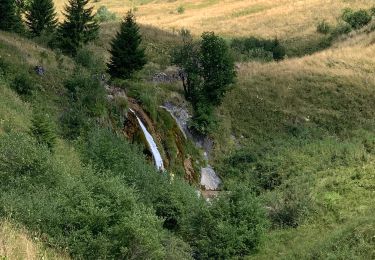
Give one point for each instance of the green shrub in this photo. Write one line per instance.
(73, 122)
(289, 207)
(118, 109)
(341, 29)
(174, 201)
(23, 84)
(104, 15)
(90, 60)
(86, 92)
(86, 102)
(91, 214)
(259, 49)
(203, 120)
(43, 129)
(356, 19)
(180, 9)
(323, 27)
(232, 226)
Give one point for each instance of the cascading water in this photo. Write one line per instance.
(152, 145)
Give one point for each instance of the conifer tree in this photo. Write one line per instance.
(10, 19)
(41, 17)
(79, 26)
(126, 54)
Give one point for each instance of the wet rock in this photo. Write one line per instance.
(180, 115)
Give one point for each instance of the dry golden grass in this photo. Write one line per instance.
(15, 243)
(266, 18)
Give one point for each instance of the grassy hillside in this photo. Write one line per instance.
(16, 243)
(294, 145)
(91, 193)
(294, 23)
(302, 132)
(266, 18)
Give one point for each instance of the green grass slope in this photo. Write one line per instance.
(301, 132)
(69, 202)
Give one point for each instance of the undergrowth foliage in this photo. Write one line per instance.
(43, 129)
(258, 49)
(89, 212)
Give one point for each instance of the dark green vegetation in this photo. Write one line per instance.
(126, 54)
(41, 17)
(10, 19)
(79, 26)
(356, 19)
(208, 72)
(302, 134)
(68, 176)
(247, 49)
(294, 145)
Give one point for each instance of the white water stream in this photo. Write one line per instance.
(152, 145)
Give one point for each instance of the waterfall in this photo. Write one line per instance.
(152, 145)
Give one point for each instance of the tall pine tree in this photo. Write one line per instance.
(79, 26)
(41, 17)
(126, 54)
(10, 19)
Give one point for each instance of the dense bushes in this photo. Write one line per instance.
(232, 226)
(323, 27)
(173, 201)
(356, 19)
(258, 49)
(86, 98)
(90, 60)
(91, 213)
